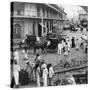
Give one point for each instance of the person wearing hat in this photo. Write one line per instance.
(60, 47)
(68, 43)
(66, 49)
(73, 42)
(70, 79)
(51, 73)
(16, 70)
(38, 73)
(38, 57)
(26, 55)
(29, 69)
(45, 73)
(36, 62)
(77, 44)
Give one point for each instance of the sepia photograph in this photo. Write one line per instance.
(48, 44)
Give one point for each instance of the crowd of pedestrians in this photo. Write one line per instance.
(65, 45)
(38, 70)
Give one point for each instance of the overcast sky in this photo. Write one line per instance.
(72, 10)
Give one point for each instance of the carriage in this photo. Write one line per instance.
(31, 42)
(55, 38)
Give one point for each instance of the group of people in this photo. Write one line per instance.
(66, 45)
(15, 69)
(43, 71)
(38, 70)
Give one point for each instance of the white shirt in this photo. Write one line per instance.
(71, 80)
(23, 40)
(84, 37)
(45, 71)
(63, 44)
(38, 39)
(16, 55)
(48, 43)
(60, 45)
(51, 72)
(69, 43)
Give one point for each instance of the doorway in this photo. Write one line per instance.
(33, 28)
(17, 31)
(39, 30)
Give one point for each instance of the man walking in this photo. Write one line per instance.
(60, 48)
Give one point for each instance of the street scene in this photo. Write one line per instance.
(49, 45)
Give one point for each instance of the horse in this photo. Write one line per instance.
(42, 44)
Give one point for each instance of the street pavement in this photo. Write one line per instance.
(52, 56)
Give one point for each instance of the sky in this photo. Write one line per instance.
(72, 10)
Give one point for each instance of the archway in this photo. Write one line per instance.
(16, 31)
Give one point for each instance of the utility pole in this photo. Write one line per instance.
(42, 22)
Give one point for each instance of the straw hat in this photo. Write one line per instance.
(44, 66)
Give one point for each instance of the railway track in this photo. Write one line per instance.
(71, 69)
(79, 74)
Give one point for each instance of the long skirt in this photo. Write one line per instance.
(45, 81)
(16, 78)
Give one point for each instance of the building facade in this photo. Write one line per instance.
(35, 19)
(83, 19)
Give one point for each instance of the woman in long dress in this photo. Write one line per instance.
(73, 42)
(44, 74)
(16, 70)
(77, 44)
(38, 74)
(51, 73)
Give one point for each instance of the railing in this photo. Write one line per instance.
(34, 14)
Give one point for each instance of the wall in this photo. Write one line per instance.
(18, 8)
(30, 9)
(36, 28)
(21, 23)
(28, 27)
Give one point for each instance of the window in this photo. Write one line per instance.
(16, 31)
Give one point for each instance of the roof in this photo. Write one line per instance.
(54, 6)
(57, 7)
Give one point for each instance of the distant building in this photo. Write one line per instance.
(35, 19)
(83, 16)
(83, 19)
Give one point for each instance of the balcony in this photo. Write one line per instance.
(35, 14)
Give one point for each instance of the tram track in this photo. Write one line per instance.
(72, 69)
